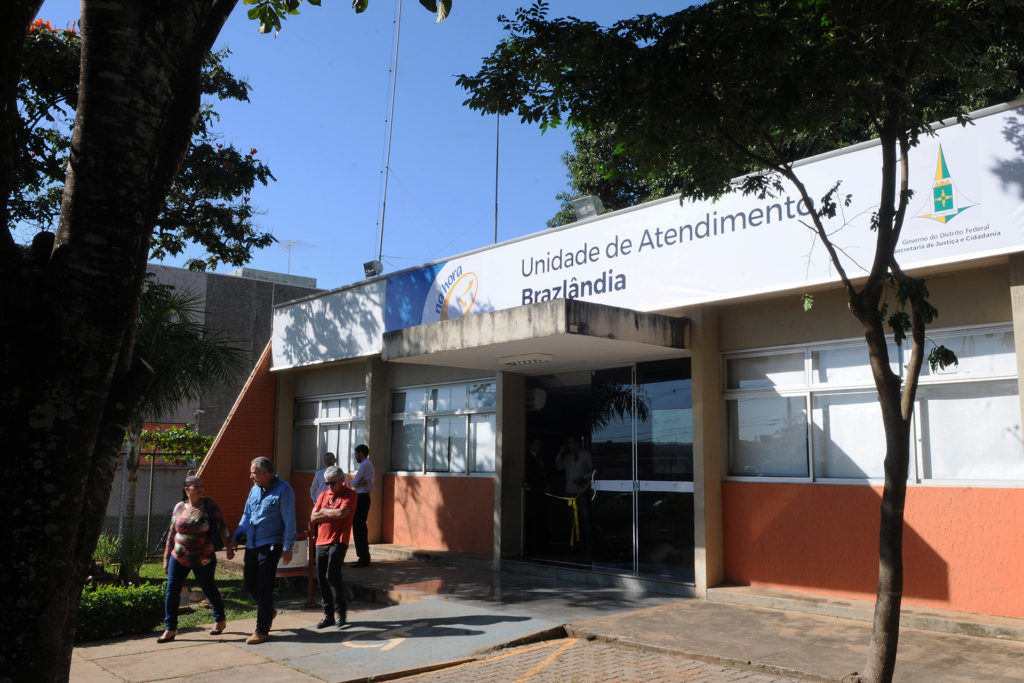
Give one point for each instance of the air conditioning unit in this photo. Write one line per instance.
(535, 400)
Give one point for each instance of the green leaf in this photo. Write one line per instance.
(941, 357)
(360, 5)
(808, 302)
(314, 2)
(254, 12)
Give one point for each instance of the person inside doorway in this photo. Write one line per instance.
(578, 466)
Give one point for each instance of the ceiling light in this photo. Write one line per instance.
(526, 359)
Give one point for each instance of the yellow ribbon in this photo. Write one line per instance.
(574, 507)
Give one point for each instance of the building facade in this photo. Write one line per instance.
(641, 395)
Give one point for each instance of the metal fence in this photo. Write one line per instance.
(157, 490)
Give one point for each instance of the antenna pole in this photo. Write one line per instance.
(391, 126)
(497, 138)
(288, 247)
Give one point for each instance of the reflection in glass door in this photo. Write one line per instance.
(637, 423)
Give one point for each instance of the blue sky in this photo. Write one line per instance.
(318, 116)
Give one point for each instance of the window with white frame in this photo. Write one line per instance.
(328, 424)
(812, 413)
(444, 428)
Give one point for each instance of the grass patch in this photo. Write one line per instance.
(237, 604)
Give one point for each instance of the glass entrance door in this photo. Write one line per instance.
(636, 422)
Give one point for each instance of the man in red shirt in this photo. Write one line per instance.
(332, 513)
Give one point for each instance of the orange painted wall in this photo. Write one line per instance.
(247, 433)
(440, 513)
(963, 548)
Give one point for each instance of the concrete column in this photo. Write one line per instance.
(377, 440)
(1017, 307)
(283, 420)
(508, 467)
(708, 450)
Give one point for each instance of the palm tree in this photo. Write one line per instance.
(186, 358)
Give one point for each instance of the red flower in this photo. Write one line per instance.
(252, 151)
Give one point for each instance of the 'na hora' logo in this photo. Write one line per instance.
(452, 295)
(945, 204)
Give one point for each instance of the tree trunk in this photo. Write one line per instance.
(885, 629)
(69, 382)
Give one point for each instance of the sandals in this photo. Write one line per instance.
(218, 628)
(167, 637)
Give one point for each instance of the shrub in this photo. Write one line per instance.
(108, 611)
(106, 550)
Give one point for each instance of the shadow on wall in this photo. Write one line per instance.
(442, 513)
(342, 324)
(819, 536)
(1011, 171)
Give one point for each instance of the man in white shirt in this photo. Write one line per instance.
(318, 486)
(362, 482)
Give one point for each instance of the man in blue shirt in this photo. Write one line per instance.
(268, 523)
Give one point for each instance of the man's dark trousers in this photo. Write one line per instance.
(329, 559)
(359, 527)
(259, 577)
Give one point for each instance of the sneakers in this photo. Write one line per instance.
(326, 621)
(256, 639)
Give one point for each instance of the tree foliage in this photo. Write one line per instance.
(729, 95)
(71, 380)
(209, 203)
(597, 167)
(180, 444)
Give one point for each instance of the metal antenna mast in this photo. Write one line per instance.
(391, 125)
(287, 246)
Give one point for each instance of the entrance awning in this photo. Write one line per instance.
(550, 336)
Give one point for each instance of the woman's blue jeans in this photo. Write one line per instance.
(176, 575)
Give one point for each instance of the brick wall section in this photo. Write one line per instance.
(247, 433)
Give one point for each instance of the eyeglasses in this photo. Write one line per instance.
(194, 486)
(333, 482)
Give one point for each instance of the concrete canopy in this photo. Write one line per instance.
(539, 338)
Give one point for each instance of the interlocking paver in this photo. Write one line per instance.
(594, 661)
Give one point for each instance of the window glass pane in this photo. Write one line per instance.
(849, 440)
(483, 396)
(980, 353)
(768, 437)
(482, 442)
(457, 444)
(766, 371)
(971, 431)
(446, 444)
(359, 408)
(664, 422)
(304, 455)
(408, 402)
(330, 408)
(847, 365)
(407, 445)
(345, 409)
(439, 399)
(333, 439)
(306, 410)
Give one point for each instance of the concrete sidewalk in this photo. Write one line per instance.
(448, 614)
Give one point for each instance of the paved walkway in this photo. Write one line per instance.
(450, 622)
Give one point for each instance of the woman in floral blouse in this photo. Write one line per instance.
(189, 548)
